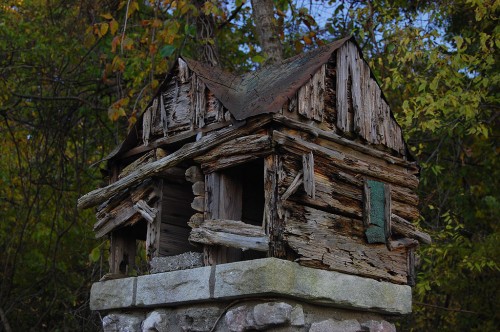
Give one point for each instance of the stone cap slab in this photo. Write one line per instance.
(255, 278)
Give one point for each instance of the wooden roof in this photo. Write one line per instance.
(267, 89)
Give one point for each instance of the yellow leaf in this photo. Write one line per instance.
(307, 40)
(104, 28)
(107, 16)
(113, 27)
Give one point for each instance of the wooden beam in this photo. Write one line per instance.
(188, 151)
(299, 146)
(331, 136)
(407, 229)
(230, 233)
(297, 181)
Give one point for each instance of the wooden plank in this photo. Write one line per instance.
(320, 245)
(230, 197)
(198, 101)
(318, 94)
(247, 145)
(297, 181)
(183, 71)
(357, 101)
(387, 211)
(122, 253)
(304, 100)
(146, 125)
(147, 212)
(163, 117)
(296, 145)
(365, 116)
(308, 173)
(153, 228)
(411, 267)
(273, 220)
(405, 228)
(174, 240)
(341, 141)
(148, 157)
(174, 138)
(188, 151)
(208, 237)
(342, 80)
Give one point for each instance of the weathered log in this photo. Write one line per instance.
(148, 157)
(273, 217)
(230, 233)
(402, 244)
(326, 241)
(198, 204)
(247, 145)
(196, 220)
(331, 136)
(147, 212)
(186, 152)
(199, 188)
(407, 229)
(299, 146)
(194, 174)
(174, 138)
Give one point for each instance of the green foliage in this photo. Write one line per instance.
(74, 74)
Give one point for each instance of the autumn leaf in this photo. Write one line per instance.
(113, 27)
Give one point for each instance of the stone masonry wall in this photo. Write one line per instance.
(251, 315)
(260, 295)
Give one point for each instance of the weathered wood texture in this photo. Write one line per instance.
(223, 200)
(188, 151)
(340, 159)
(230, 233)
(273, 210)
(176, 211)
(122, 253)
(238, 151)
(310, 97)
(125, 209)
(360, 105)
(329, 241)
(184, 106)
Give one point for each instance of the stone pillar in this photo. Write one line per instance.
(260, 295)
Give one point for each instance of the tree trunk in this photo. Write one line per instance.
(263, 16)
(205, 33)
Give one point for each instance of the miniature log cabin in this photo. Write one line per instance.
(301, 160)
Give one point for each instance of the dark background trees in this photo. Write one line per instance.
(75, 74)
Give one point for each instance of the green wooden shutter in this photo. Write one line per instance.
(377, 211)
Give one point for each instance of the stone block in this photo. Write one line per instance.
(112, 294)
(331, 325)
(271, 314)
(297, 316)
(187, 260)
(198, 319)
(122, 322)
(240, 319)
(271, 276)
(174, 287)
(375, 326)
(158, 321)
